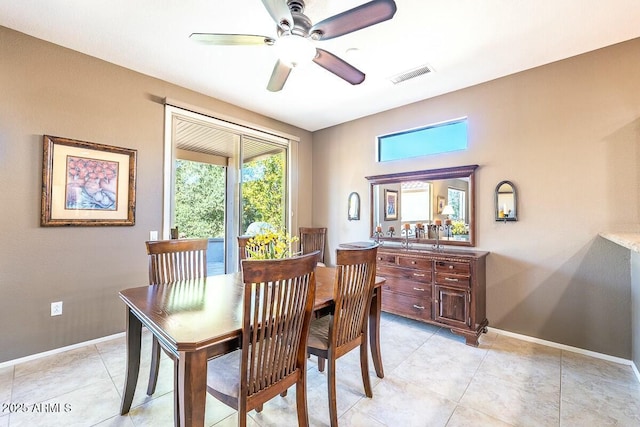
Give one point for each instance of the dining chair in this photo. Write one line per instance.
(278, 302)
(313, 239)
(169, 261)
(333, 336)
(243, 242)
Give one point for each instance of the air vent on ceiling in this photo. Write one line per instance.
(406, 75)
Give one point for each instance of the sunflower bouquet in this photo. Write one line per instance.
(270, 245)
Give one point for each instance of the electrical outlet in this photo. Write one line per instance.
(153, 235)
(56, 308)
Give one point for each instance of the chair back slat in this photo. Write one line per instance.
(180, 259)
(278, 298)
(313, 239)
(355, 276)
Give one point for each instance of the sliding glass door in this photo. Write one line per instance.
(199, 207)
(223, 180)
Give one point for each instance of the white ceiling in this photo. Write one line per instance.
(465, 42)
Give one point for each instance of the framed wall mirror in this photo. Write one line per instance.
(354, 207)
(424, 199)
(506, 206)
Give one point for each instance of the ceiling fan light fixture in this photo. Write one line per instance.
(285, 26)
(316, 35)
(295, 50)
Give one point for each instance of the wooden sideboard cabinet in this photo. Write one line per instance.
(445, 288)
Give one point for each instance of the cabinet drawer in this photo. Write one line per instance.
(410, 262)
(388, 271)
(406, 305)
(404, 273)
(409, 287)
(452, 280)
(453, 267)
(383, 259)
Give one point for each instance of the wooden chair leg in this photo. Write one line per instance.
(284, 393)
(321, 364)
(364, 367)
(259, 408)
(301, 401)
(242, 420)
(155, 366)
(331, 385)
(242, 413)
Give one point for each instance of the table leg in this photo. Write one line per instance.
(176, 395)
(134, 338)
(374, 330)
(192, 387)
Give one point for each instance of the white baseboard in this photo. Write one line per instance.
(497, 331)
(635, 370)
(570, 348)
(59, 350)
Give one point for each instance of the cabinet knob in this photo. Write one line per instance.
(451, 267)
(413, 262)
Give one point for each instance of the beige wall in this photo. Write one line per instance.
(568, 135)
(46, 89)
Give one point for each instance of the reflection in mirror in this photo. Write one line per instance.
(506, 202)
(426, 200)
(354, 206)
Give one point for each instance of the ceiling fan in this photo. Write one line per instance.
(296, 34)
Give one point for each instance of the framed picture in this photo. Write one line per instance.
(390, 205)
(87, 184)
(441, 202)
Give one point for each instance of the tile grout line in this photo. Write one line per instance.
(469, 384)
(397, 367)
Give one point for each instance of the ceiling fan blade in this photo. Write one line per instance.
(231, 39)
(339, 67)
(355, 19)
(278, 76)
(280, 13)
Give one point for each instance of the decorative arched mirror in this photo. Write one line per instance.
(411, 203)
(506, 202)
(354, 206)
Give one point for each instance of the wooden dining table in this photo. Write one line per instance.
(199, 319)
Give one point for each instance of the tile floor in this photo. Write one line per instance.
(431, 379)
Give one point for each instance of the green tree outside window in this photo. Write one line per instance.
(199, 198)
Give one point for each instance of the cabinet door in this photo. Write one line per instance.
(452, 306)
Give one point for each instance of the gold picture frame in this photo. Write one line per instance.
(441, 202)
(390, 205)
(87, 184)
